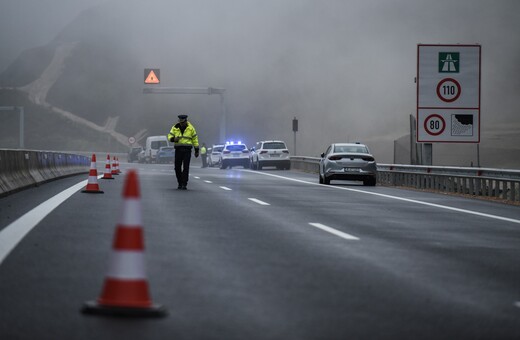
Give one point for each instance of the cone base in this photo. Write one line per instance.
(93, 307)
(93, 191)
(107, 178)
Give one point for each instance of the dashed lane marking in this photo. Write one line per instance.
(208, 181)
(334, 231)
(258, 201)
(226, 188)
(465, 211)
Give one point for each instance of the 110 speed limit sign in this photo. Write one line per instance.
(434, 125)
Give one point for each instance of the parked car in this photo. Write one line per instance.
(141, 157)
(234, 154)
(214, 154)
(133, 154)
(166, 154)
(348, 161)
(270, 153)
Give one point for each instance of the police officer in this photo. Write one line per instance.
(184, 137)
(203, 155)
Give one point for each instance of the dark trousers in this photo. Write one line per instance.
(204, 160)
(182, 164)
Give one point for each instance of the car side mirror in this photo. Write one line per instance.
(322, 155)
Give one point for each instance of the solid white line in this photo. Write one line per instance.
(470, 212)
(334, 231)
(208, 181)
(258, 201)
(11, 235)
(225, 188)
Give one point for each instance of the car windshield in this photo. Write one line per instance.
(350, 148)
(274, 145)
(236, 147)
(158, 144)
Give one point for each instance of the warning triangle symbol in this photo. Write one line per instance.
(152, 78)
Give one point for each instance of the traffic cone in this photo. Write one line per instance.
(117, 165)
(125, 291)
(114, 170)
(108, 172)
(92, 184)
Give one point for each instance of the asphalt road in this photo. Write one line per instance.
(267, 255)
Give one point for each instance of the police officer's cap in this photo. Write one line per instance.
(182, 117)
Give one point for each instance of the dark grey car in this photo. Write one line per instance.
(348, 161)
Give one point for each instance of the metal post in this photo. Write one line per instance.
(22, 137)
(222, 119)
(427, 154)
(478, 155)
(22, 119)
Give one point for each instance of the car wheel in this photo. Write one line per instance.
(370, 182)
(223, 166)
(320, 179)
(326, 180)
(259, 166)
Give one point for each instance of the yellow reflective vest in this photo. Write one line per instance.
(203, 150)
(188, 138)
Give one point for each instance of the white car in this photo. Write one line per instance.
(214, 154)
(234, 154)
(270, 153)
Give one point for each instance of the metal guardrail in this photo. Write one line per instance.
(483, 182)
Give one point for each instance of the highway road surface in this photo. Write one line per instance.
(265, 254)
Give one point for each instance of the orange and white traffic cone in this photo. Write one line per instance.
(114, 169)
(92, 184)
(117, 165)
(108, 172)
(125, 291)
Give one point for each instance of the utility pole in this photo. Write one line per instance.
(21, 110)
(295, 129)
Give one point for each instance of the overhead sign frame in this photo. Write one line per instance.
(448, 93)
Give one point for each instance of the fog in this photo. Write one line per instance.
(344, 69)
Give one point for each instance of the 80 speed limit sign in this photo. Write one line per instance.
(434, 125)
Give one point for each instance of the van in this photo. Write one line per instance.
(153, 143)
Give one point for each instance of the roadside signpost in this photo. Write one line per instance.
(448, 93)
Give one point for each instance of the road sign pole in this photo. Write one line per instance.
(427, 154)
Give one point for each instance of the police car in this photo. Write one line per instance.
(233, 154)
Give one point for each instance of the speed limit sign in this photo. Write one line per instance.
(448, 90)
(434, 125)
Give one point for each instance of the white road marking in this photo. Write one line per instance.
(11, 235)
(258, 201)
(197, 177)
(334, 231)
(208, 181)
(470, 212)
(225, 188)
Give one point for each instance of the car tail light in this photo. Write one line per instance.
(367, 158)
(335, 158)
(226, 152)
(263, 151)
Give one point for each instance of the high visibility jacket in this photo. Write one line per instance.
(188, 138)
(203, 150)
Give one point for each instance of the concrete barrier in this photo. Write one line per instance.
(20, 169)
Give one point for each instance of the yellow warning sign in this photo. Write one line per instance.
(151, 76)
